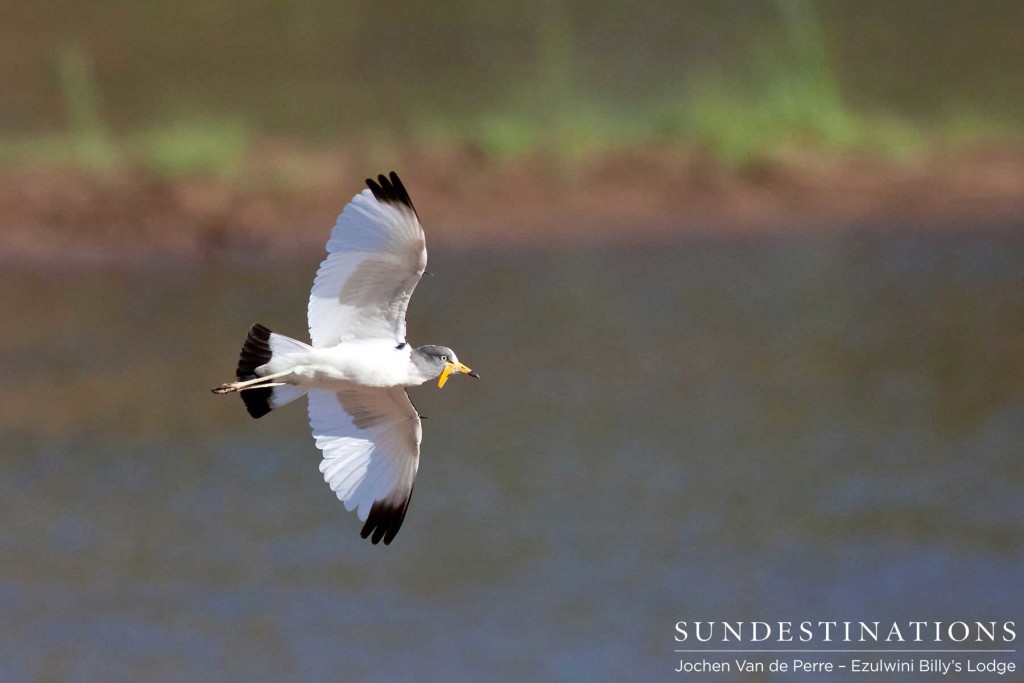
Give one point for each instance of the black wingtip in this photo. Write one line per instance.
(385, 520)
(255, 352)
(389, 189)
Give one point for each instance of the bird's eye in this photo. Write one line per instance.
(444, 357)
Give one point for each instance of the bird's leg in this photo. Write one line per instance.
(262, 386)
(239, 386)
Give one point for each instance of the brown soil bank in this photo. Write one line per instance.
(286, 200)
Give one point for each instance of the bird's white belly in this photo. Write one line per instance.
(371, 364)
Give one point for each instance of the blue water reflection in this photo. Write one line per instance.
(807, 427)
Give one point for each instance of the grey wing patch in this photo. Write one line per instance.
(355, 402)
(363, 286)
(364, 406)
(381, 289)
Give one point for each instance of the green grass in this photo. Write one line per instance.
(186, 144)
(788, 97)
(88, 140)
(191, 145)
(194, 145)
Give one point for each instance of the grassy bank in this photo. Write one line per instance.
(784, 98)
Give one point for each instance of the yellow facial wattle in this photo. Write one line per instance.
(454, 367)
(444, 375)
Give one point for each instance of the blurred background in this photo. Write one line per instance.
(744, 281)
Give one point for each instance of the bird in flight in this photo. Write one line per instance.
(359, 364)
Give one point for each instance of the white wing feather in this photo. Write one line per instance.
(370, 439)
(376, 256)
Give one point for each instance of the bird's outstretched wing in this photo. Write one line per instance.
(376, 256)
(371, 443)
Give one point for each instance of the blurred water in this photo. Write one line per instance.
(793, 428)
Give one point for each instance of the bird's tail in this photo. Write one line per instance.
(260, 346)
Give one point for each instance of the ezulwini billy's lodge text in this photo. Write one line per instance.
(935, 666)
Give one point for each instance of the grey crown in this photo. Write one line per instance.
(432, 358)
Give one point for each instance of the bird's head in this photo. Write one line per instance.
(440, 362)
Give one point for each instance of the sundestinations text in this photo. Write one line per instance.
(846, 631)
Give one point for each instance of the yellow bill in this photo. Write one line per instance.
(454, 367)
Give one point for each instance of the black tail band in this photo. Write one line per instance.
(255, 352)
